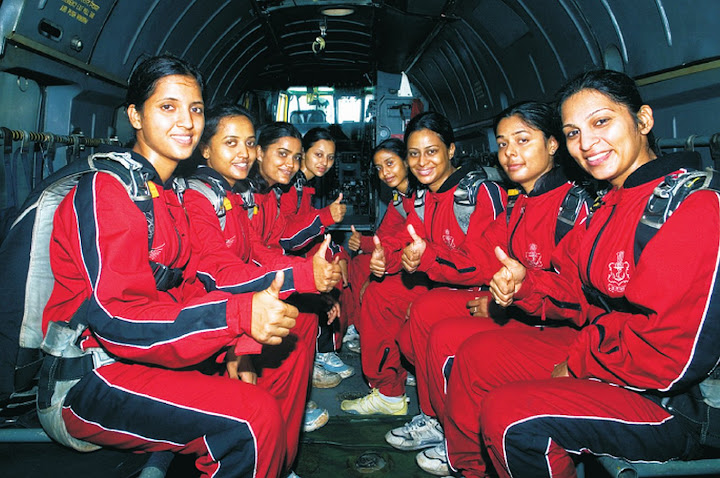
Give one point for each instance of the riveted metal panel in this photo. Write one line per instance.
(69, 26)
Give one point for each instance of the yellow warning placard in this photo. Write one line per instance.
(81, 10)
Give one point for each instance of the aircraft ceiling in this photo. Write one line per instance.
(468, 58)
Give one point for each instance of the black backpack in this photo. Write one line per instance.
(464, 198)
(27, 280)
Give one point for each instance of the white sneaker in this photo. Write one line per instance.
(420, 432)
(434, 460)
(374, 404)
(332, 363)
(314, 417)
(351, 334)
(353, 346)
(323, 378)
(410, 381)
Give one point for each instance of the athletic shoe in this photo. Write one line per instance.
(353, 346)
(411, 381)
(420, 432)
(332, 363)
(351, 334)
(324, 379)
(314, 417)
(352, 340)
(374, 404)
(434, 460)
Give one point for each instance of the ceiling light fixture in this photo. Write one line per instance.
(339, 11)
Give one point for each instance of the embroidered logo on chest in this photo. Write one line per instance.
(230, 241)
(155, 252)
(534, 257)
(448, 239)
(618, 273)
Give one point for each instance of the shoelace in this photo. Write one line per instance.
(417, 422)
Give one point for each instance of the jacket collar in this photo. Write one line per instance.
(662, 166)
(547, 182)
(210, 172)
(454, 179)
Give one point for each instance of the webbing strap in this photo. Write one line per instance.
(21, 155)
(10, 173)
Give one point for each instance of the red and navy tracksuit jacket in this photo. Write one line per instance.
(652, 337)
(150, 399)
(304, 222)
(216, 250)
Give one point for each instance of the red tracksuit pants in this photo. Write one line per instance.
(382, 317)
(439, 345)
(426, 311)
(536, 428)
(359, 273)
(487, 361)
(235, 429)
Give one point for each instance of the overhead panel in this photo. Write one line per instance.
(655, 35)
(503, 26)
(503, 51)
(68, 26)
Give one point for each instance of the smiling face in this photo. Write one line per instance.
(169, 124)
(523, 151)
(604, 137)
(280, 160)
(391, 169)
(318, 159)
(231, 151)
(429, 158)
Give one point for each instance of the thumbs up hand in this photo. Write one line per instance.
(412, 254)
(272, 318)
(377, 259)
(507, 281)
(326, 274)
(337, 210)
(354, 241)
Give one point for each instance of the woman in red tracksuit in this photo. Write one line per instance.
(317, 159)
(279, 154)
(530, 228)
(389, 159)
(228, 256)
(430, 146)
(302, 235)
(628, 384)
(144, 394)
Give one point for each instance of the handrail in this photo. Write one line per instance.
(689, 142)
(68, 140)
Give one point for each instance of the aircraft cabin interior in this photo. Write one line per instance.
(360, 68)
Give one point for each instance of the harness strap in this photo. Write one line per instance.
(166, 278)
(569, 211)
(608, 304)
(73, 368)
